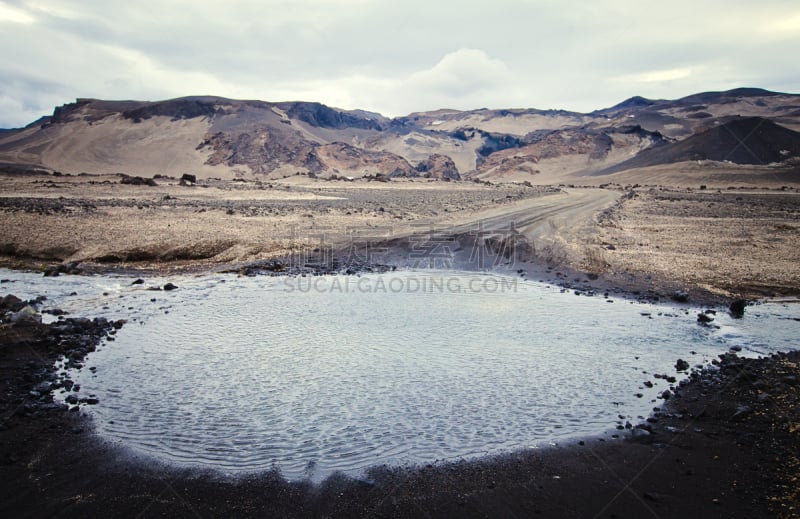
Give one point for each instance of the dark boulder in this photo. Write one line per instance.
(704, 318)
(680, 296)
(12, 302)
(681, 365)
(737, 308)
(137, 181)
(439, 166)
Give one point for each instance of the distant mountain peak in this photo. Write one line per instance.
(633, 102)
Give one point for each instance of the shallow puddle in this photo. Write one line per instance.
(340, 373)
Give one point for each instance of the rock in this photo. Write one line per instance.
(741, 411)
(137, 181)
(52, 271)
(101, 322)
(72, 268)
(648, 384)
(704, 318)
(681, 365)
(666, 395)
(680, 296)
(170, 286)
(139, 281)
(11, 302)
(737, 308)
(439, 166)
(189, 178)
(640, 434)
(43, 387)
(82, 322)
(27, 316)
(72, 399)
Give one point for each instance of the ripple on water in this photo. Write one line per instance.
(247, 374)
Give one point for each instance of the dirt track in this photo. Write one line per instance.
(721, 244)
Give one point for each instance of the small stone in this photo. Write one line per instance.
(27, 316)
(680, 296)
(704, 318)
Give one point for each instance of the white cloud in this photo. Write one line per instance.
(388, 56)
(657, 76)
(463, 79)
(14, 15)
(460, 74)
(787, 25)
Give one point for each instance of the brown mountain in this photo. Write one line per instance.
(212, 136)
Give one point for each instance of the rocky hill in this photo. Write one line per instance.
(217, 137)
(741, 140)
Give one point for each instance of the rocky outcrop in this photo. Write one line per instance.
(438, 166)
(341, 157)
(176, 109)
(263, 150)
(321, 116)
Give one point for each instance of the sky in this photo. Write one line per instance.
(392, 56)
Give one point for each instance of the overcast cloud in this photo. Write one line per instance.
(389, 56)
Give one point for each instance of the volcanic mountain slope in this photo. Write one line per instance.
(204, 135)
(742, 140)
(558, 153)
(212, 136)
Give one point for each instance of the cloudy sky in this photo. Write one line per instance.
(391, 56)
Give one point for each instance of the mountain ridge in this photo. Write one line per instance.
(216, 136)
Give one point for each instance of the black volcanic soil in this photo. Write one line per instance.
(724, 445)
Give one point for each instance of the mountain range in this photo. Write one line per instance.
(216, 137)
